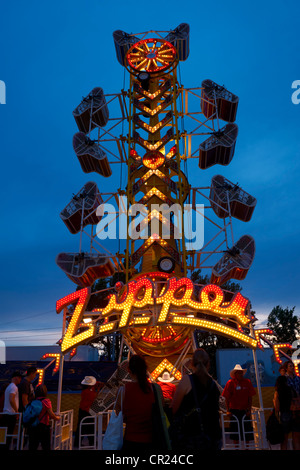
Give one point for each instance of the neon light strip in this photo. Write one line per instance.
(57, 360)
(70, 338)
(212, 326)
(157, 127)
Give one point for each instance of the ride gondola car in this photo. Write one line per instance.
(123, 42)
(235, 263)
(218, 102)
(219, 147)
(81, 210)
(180, 39)
(92, 112)
(85, 268)
(228, 198)
(91, 157)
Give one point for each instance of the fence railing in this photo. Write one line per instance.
(249, 433)
(10, 438)
(92, 430)
(62, 434)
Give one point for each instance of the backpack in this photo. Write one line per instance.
(32, 412)
(182, 423)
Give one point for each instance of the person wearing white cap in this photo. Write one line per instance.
(238, 393)
(90, 390)
(168, 389)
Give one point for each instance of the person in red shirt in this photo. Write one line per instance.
(168, 390)
(41, 434)
(90, 390)
(138, 398)
(238, 393)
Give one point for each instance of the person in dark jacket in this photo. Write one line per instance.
(208, 399)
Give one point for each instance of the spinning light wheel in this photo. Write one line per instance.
(159, 341)
(152, 56)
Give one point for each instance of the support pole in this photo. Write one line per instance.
(61, 371)
(61, 367)
(261, 405)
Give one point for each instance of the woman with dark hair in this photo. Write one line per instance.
(138, 398)
(41, 433)
(201, 384)
(282, 404)
(293, 381)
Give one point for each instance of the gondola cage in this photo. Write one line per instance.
(228, 198)
(180, 39)
(92, 112)
(235, 263)
(81, 210)
(218, 102)
(91, 157)
(123, 42)
(85, 268)
(219, 147)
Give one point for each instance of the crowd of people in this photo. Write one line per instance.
(191, 408)
(287, 404)
(17, 396)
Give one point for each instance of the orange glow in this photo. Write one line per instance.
(134, 308)
(153, 160)
(166, 365)
(70, 338)
(41, 374)
(165, 86)
(57, 360)
(216, 327)
(157, 127)
(153, 147)
(276, 349)
(179, 294)
(258, 333)
(296, 365)
(158, 59)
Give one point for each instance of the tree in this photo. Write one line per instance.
(101, 289)
(284, 324)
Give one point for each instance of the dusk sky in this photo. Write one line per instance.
(54, 53)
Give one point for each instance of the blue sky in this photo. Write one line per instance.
(53, 53)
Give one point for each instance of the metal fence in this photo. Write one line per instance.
(11, 440)
(240, 436)
(92, 430)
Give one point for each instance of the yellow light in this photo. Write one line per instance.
(125, 311)
(216, 327)
(166, 365)
(276, 349)
(57, 360)
(70, 338)
(41, 374)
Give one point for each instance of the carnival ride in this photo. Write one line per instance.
(157, 308)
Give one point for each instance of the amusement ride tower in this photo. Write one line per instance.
(157, 307)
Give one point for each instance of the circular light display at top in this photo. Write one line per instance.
(151, 55)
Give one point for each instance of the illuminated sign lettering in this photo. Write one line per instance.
(133, 308)
(71, 337)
